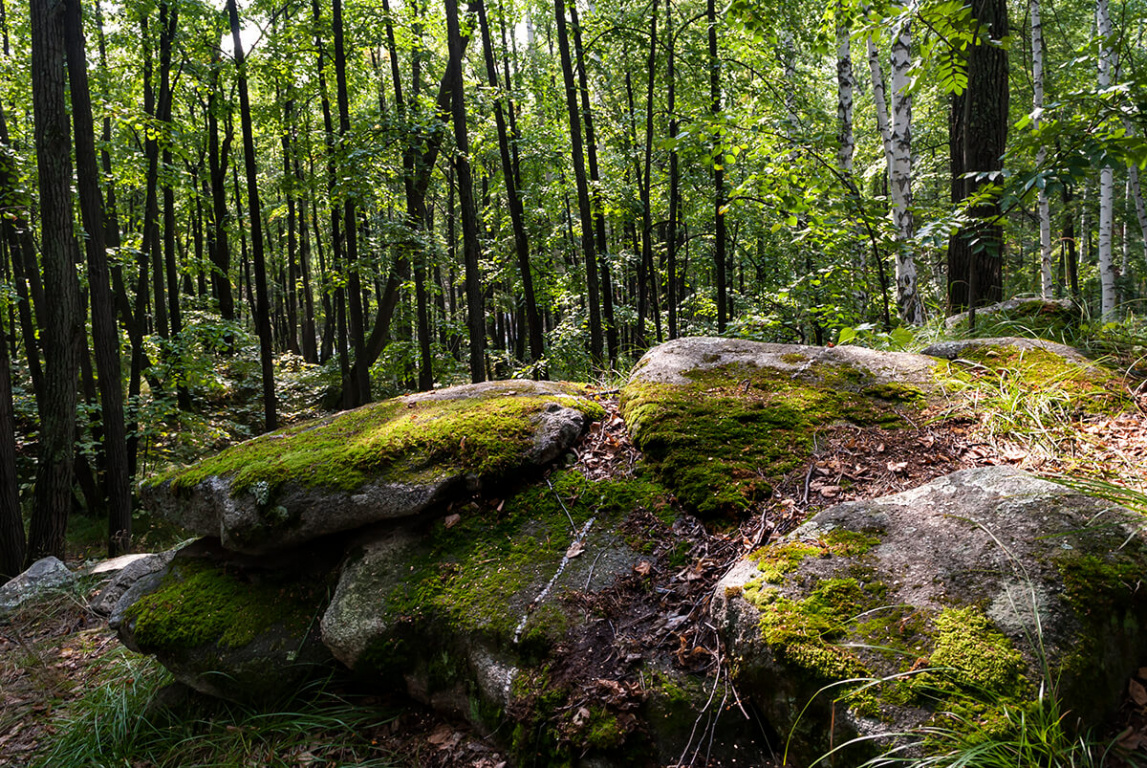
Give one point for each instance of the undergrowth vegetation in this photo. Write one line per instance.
(119, 723)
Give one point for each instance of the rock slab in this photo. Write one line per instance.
(956, 591)
(383, 461)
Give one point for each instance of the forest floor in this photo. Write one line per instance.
(53, 653)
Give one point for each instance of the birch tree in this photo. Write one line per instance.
(1106, 174)
(1047, 287)
(900, 172)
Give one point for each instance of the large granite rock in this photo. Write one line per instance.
(383, 461)
(957, 593)
(232, 626)
(452, 614)
(722, 419)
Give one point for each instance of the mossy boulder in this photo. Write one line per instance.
(959, 596)
(233, 626)
(451, 614)
(721, 420)
(386, 460)
(1031, 315)
(1039, 373)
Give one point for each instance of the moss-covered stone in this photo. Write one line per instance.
(380, 462)
(199, 603)
(401, 438)
(722, 440)
(926, 613)
(1011, 377)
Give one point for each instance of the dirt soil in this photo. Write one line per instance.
(656, 617)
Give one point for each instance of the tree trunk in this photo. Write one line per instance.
(671, 236)
(470, 248)
(600, 245)
(1047, 284)
(218, 155)
(262, 304)
(978, 137)
(719, 194)
(652, 279)
(584, 208)
(900, 177)
(12, 541)
(513, 196)
(1106, 175)
(105, 335)
(360, 372)
(63, 328)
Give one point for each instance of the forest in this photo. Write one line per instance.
(298, 202)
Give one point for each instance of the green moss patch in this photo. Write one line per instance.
(200, 603)
(395, 439)
(721, 441)
(478, 576)
(779, 559)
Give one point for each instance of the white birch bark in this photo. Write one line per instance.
(1140, 208)
(1047, 287)
(845, 86)
(900, 176)
(880, 100)
(1106, 176)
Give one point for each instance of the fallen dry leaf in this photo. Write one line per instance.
(452, 520)
(1138, 692)
(575, 549)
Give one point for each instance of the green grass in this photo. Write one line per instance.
(115, 724)
(1037, 736)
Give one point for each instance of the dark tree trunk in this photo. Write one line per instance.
(218, 154)
(1070, 249)
(105, 336)
(674, 177)
(63, 327)
(360, 372)
(470, 248)
(647, 180)
(513, 197)
(719, 201)
(262, 304)
(584, 208)
(12, 541)
(309, 349)
(978, 130)
(595, 182)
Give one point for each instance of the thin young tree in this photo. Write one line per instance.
(1107, 291)
(585, 210)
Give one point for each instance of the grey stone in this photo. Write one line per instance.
(44, 574)
(952, 350)
(670, 362)
(261, 519)
(1048, 567)
(1020, 307)
(106, 602)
